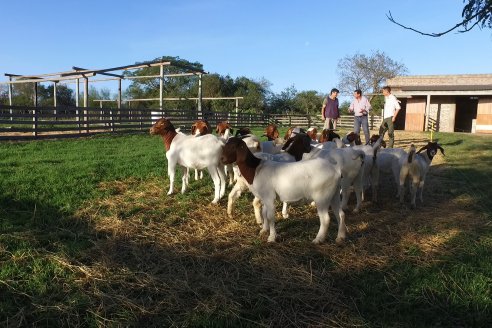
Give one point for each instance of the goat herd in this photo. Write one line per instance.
(302, 165)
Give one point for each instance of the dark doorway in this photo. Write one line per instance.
(402, 114)
(466, 111)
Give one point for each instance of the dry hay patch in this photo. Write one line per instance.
(182, 256)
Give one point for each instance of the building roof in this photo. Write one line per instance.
(465, 84)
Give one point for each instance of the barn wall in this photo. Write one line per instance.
(484, 115)
(443, 109)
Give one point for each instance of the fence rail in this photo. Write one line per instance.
(20, 122)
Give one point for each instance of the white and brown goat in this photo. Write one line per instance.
(191, 152)
(316, 180)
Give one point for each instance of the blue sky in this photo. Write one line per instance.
(289, 43)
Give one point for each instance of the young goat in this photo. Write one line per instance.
(316, 180)
(191, 152)
(294, 149)
(224, 130)
(271, 132)
(416, 168)
(350, 162)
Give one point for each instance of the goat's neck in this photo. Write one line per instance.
(247, 166)
(427, 159)
(168, 137)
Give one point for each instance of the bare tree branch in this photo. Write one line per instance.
(463, 23)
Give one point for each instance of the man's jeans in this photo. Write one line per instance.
(362, 120)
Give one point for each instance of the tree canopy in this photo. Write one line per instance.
(367, 72)
(475, 13)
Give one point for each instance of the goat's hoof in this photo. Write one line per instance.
(215, 201)
(285, 216)
(340, 240)
(229, 215)
(271, 239)
(356, 210)
(169, 193)
(316, 241)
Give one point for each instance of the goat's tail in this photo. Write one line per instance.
(411, 154)
(361, 154)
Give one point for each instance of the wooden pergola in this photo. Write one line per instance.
(86, 75)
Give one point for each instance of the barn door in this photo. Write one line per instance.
(415, 117)
(484, 115)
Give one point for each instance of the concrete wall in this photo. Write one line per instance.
(443, 109)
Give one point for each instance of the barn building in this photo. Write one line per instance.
(458, 103)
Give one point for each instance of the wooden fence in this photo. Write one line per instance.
(20, 122)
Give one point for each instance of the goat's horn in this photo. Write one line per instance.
(441, 149)
(425, 147)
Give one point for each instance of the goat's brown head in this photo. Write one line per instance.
(243, 131)
(233, 149)
(374, 138)
(298, 145)
(162, 127)
(271, 132)
(292, 131)
(354, 137)
(328, 135)
(313, 133)
(201, 127)
(222, 127)
(432, 148)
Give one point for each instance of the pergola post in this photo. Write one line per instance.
(86, 102)
(427, 111)
(199, 109)
(161, 88)
(54, 98)
(10, 99)
(119, 93)
(35, 111)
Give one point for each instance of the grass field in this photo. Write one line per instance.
(89, 238)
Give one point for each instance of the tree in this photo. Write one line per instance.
(308, 102)
(283, 102)
(367, 73)
(475, 13)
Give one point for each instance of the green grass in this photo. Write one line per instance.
(57, 195)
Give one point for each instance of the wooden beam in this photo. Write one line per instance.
(108, 74)
(161, 87)
(199, 96)
(49, 79)
(119, 93)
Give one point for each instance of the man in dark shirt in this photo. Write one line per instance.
(329, 111)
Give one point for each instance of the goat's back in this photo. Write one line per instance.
(195, 152)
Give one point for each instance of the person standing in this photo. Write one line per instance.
(390, 111)
(360, 106)
(329, 111)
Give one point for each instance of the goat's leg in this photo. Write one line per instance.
(212, 170)
(270, 217)
(196, 174)
(345, 193)
(184, 179)
(358, 188)
(324, 221)
(414, 186)
(403, 176)
(285, 210)
(421, 189)
(375, 183)
(233, 196)
(223, 180)
(340, 215)
(171, 168)
(257, 209)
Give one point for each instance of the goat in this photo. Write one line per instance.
(416, 167)
(352, 139)
(224, 130)
(316, 180)
(243, 131)
(313, 133)
(271, 132)
(370, 168)
(294, 149)
(350, 163)
(292, 131)
(200, 128)
(328, 135)
(191, 152)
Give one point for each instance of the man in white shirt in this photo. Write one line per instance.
(360, 106)
(391, 109)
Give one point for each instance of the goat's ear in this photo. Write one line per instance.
(441, 149)
(193, 128)
(232, 130)
(217, 129)
(287, 144)
(421, 149)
